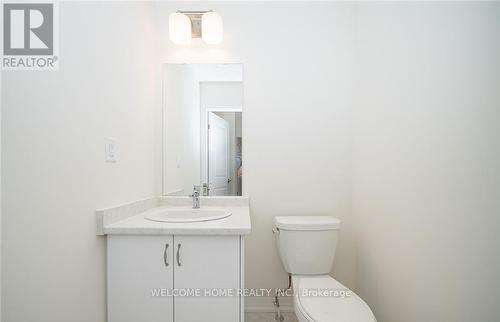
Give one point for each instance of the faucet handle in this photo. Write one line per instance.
(196, 191)
(205, 189)
(196, 198)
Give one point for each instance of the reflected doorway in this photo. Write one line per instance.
(224, 145)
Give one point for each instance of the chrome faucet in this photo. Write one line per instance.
(196, 198)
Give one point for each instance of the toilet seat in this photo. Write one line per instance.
(329, 306)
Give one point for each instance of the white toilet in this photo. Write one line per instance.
(307, 247)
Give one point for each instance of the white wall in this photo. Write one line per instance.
(54, 176)
(426, 161)
(221, 94)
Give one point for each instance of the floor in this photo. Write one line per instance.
(269, 317)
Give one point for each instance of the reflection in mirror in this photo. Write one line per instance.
(202, 129)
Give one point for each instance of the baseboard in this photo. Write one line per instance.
(265, 304)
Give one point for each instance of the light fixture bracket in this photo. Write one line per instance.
(195, 17)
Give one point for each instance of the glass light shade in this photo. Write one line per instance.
(179, 28)
(211, 28)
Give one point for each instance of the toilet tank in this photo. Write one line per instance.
(307, 244)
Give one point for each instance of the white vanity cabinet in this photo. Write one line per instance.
(136, 266)
(140, 265)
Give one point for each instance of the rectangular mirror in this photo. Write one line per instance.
(202, 129)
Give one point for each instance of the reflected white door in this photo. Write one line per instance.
(218, 155)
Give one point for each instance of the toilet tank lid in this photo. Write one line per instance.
(307, 222)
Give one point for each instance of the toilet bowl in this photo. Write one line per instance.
(307, 247)
(336, 304)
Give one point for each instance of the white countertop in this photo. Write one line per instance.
(236, 224)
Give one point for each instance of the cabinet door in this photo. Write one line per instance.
(207, 262)
(139, 269)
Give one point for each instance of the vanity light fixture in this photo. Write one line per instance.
(212, 28)
(179, 28)
(185, 25)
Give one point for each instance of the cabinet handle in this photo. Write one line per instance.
(165, 255)
(178, 255)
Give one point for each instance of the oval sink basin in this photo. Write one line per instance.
(188, 215)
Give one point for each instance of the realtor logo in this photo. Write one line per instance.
(29, 36)
(28, 29)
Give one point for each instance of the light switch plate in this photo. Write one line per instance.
(110, 150)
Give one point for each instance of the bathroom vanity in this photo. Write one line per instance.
(175, 271)
(177, 258)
